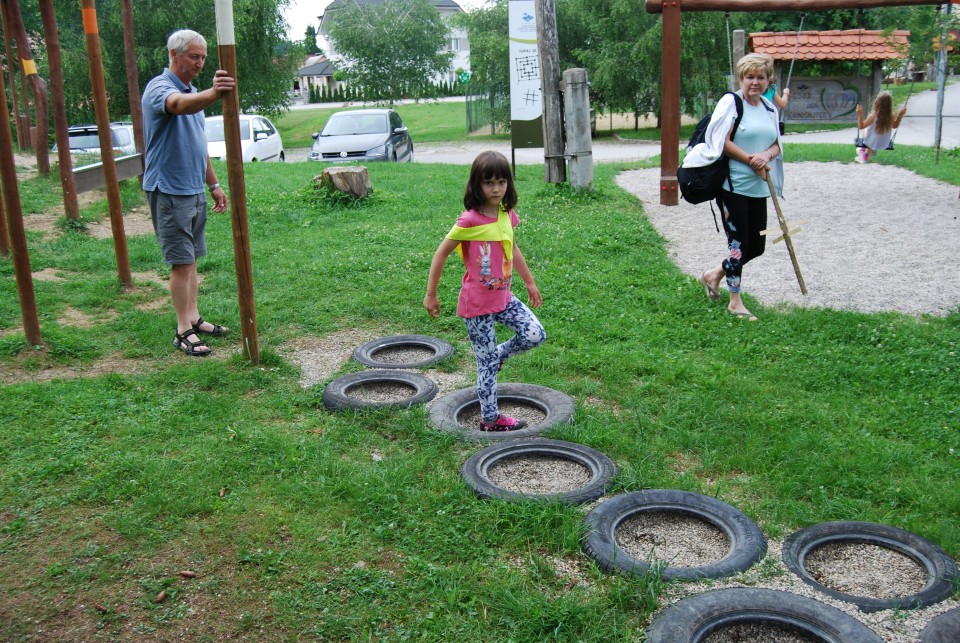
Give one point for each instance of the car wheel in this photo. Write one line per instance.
(340, 394)
(940, 570)
(282, 157)
(746, 542)
(476, 471)
(693, 620)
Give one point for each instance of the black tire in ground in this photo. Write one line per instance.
(476, 469)
(336, 395)
(366, 354)
(942, 629)
(940, 569)
(747, 544)
(692, 619)
(556, 406)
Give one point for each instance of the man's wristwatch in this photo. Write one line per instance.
(214, 187)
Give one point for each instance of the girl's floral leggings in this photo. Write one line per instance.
(529, 333)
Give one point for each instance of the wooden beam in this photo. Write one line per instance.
(670, 106)
(90, 177)
(657, 6)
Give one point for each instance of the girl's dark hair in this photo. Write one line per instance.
(489, 165)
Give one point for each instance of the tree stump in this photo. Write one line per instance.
(353, 180)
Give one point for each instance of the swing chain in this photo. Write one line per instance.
(796, 48)
(726, 16)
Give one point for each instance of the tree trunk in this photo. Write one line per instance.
(349, 180)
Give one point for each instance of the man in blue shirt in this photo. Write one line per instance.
(177, 171)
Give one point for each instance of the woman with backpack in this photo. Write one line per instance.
(743, 197)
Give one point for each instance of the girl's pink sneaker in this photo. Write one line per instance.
(503, 423)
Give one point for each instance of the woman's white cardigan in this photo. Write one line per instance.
(722, 120)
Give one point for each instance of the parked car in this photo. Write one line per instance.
(84, 139)
(363, 135)
(259, 139)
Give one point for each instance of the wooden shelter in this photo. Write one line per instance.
(831, 99)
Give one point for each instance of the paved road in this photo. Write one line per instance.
(917, 128)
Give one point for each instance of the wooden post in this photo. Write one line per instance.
(92, 33)
(739, 51)
(670, 104)
(133, 83)
(226, 46)
(41, 133)
(554, 166)
(576, 111)
(12, 71)
(21, 260)
(71, 205)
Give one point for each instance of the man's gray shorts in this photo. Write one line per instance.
(179, 222)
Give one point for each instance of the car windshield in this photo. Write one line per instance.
(214, 130)
(346, 124)
(84, 140)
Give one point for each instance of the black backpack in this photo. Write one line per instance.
(699, 184)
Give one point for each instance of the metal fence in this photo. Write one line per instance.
(484, 109)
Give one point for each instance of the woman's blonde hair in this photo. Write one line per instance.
(754, 63)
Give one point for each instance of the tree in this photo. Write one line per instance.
(487, 28)
(391, 48)
(310, 41)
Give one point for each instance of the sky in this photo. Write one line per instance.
(302, 13)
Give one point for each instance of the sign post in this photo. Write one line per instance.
(526, 97)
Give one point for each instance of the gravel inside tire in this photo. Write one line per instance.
(943, 629)
(940, 570)
(703, 618)
(745, 542)
(403, 351)
(478, 471)
(448, 412)
(378, 389)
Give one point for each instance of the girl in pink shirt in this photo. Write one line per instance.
(483, 236)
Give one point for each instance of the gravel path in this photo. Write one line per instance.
(877, 238)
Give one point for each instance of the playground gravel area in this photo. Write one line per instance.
(876, 238)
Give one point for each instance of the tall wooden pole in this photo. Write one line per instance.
(112, 183)
(12, 71)
(40, 135)
(670, 104)
(71, 204)
(21, 260)
(133, 82)
(226, 47)
(554, 165)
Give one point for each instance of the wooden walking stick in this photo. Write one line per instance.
(786, 231)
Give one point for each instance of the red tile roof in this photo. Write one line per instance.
(852, 44)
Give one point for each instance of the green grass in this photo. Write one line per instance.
(111, 484)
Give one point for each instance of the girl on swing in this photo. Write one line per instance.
(879, 124)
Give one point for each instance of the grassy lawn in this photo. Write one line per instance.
(305, 524)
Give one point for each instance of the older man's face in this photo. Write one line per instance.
(189, 64)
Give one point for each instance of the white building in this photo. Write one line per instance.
(456, 41)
